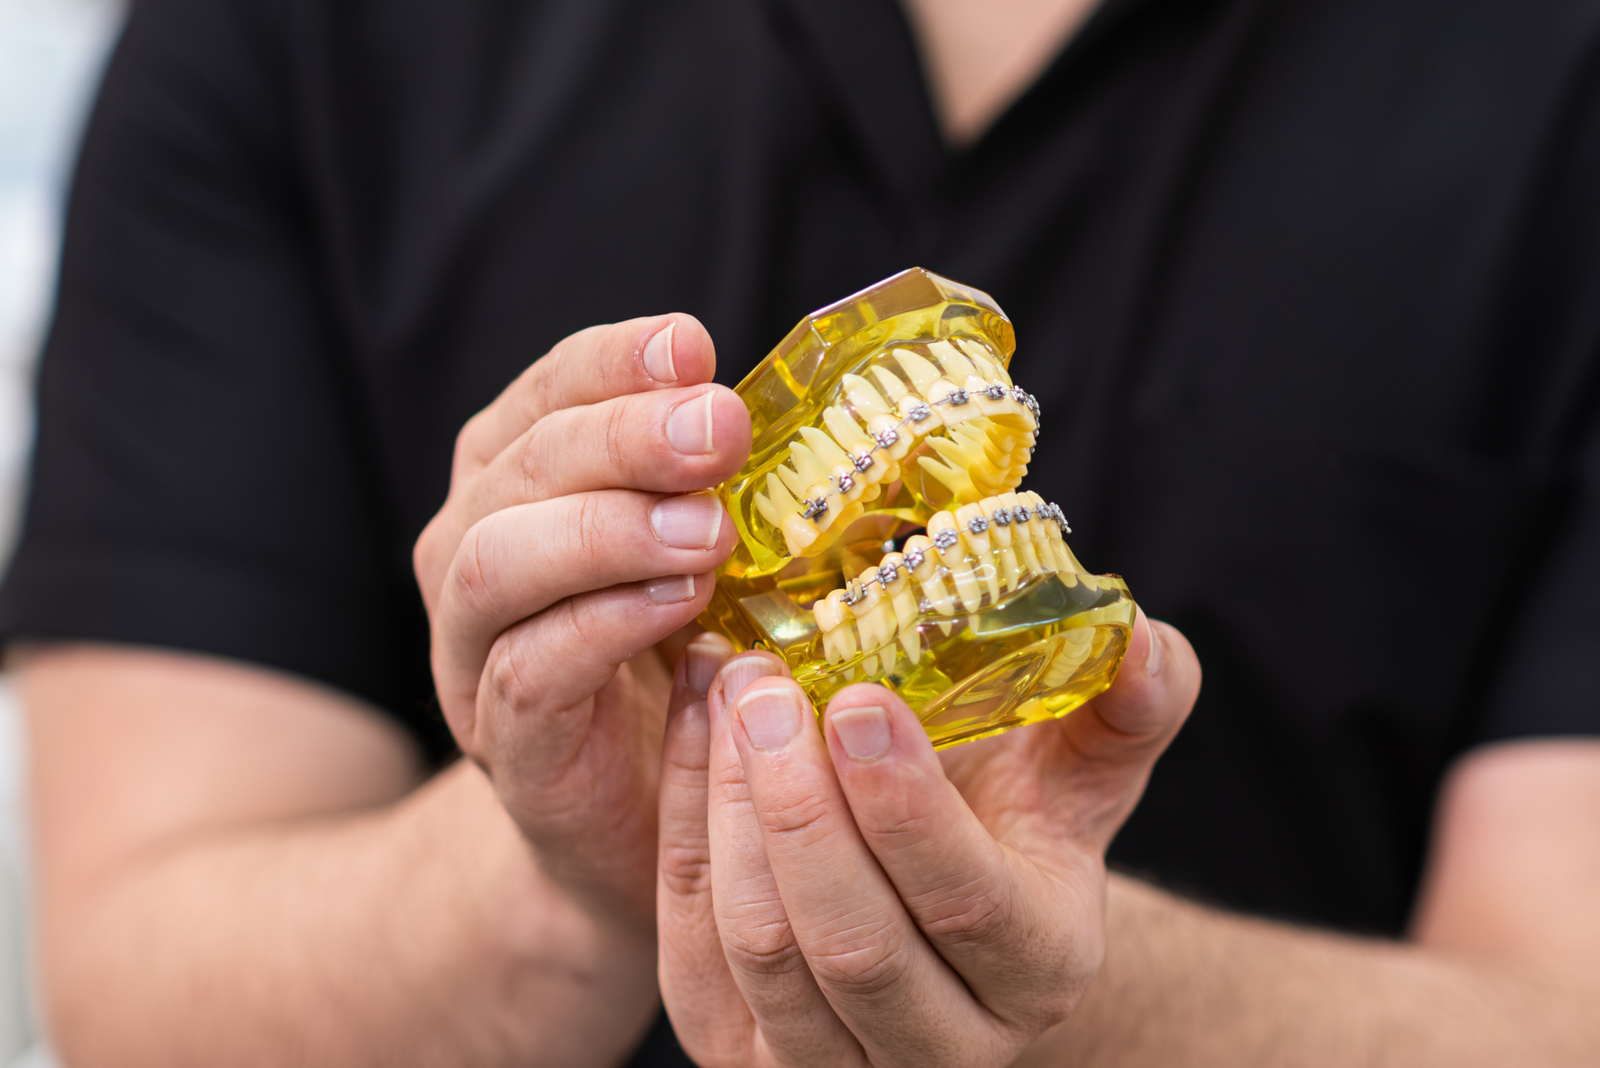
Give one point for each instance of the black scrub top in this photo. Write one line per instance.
(1309, 291)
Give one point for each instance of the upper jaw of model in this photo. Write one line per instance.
(890, 411)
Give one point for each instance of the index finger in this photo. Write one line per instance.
(593, 365)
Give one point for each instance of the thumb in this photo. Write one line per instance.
(1117, 737)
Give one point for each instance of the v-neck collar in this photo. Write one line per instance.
(866, 61)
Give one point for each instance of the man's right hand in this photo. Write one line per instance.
(573, 540)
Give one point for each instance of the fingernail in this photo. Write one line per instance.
(658, 356)
(864, 732)
(689, 426)
(706, 655)
(771, 716)
(690, 522)
(670, 590)
(1152, 660)
(742, 671)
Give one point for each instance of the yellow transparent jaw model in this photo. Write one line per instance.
(881, 534)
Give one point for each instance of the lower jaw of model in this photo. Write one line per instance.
(882, 534)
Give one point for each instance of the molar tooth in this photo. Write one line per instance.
(830, 611)
(863, 398)
(799, 533)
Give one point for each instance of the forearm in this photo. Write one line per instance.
(1186, 985)
(420, 933)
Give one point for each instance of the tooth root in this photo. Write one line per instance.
(958, 482)
(826, 449)
(967, 588)
(988, 366)
(911, 642)
(951, 360)
(764, 505)
(810, 469)
(845, 430)
(892, 387)
(791, 481)
(905, 613)
(922, 373)
(863, 398)
(1009, 576)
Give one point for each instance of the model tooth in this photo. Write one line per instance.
(830, 611)
(909, 408)
(935, 593)
(825, 448)
(958, 482)
(988, 366)
(889, 382)
(810, 469)
(792, 481)
(763, 505)
(919, 548)
(863, 398)
(799, 533)
(978, 387)
(947, 541)
(1000, 535)
(973, 527)
(1021, 537)
(922, 373)
(845, 430)
(954, 362)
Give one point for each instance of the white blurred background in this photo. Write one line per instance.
(51, 52)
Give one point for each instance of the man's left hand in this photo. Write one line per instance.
(852, 897)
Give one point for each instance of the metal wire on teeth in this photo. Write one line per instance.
(917, 413)
(946, 539)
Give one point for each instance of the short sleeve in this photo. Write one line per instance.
(1546, 663)
(201, 480)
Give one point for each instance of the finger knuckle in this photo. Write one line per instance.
(978, 916)
(533, 463)
(870, 965)
(614, 437)
(686, 868)
(801, 816)
(473, 570)
(767, 948)
(588, 530)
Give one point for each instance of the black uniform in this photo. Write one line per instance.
(1309, 291)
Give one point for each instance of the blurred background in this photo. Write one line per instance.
(51, 53)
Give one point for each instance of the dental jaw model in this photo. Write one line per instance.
(882, 537)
